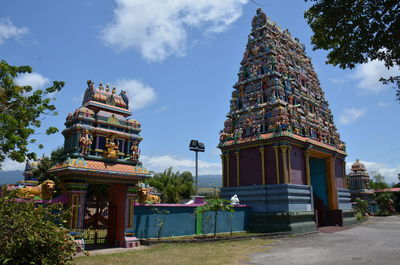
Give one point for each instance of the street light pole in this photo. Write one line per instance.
(197, 147)
(197, 169)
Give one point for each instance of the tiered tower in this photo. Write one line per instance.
(279, 133)
(102, 147)
(358, 181)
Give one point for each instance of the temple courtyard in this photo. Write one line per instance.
(373, 242)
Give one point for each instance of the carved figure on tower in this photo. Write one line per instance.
(135, 151)
(111, 148)
(85, 142)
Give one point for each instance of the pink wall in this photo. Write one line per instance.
(339, 172)
(250, 167)
(298, 175)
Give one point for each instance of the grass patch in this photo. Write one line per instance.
(214, 253)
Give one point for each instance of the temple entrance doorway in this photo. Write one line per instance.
(98, 217)
(320, 189)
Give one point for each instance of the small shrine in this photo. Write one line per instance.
(358, 182)
(281, 151)
(29, 178)
(102, 147)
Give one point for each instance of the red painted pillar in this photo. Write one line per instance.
(121, 206)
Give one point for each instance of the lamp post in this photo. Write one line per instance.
(196, 146)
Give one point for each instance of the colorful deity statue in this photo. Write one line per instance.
(112, 148)
(85, 141)
(135, 151)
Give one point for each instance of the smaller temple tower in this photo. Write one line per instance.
(101, 147)
(358, 182)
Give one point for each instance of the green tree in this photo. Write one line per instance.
(33, 234)
(160, 216)
(173, 185)
(215, 205)
(45, 163)
(355, 32)
(378, 182)
(362, 206)
(21, 112)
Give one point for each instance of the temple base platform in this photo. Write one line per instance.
(293, 222)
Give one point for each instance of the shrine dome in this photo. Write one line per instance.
(358, 166)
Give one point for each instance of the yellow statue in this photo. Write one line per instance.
(44, 191)
(112, 148)
(145, 197)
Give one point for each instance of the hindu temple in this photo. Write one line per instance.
(281, 151)
(358, 181)
(101, 147)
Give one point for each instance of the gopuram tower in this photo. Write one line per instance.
(281, 152)
(101, 147)
(358, 182)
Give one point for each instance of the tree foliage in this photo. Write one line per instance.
(378, 182)
(21, 111)
(33, 234)
(215, 205)
(45, 163)
(355, 32)
(173, 185)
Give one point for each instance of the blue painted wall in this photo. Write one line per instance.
(181, 221)
(318, 178)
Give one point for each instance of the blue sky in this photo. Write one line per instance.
(178, 59)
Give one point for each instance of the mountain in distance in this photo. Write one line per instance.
(210, 181)
(11, 177)
(205, 181)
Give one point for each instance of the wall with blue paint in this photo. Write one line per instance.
(181, 221)
(318, 178)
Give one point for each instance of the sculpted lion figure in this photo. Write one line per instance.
(44, 191)
(144, 196)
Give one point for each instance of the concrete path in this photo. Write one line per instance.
(377, 241)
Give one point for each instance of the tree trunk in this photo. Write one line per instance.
(215, 224)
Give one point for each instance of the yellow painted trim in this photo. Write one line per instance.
(227, 170)
(223, 170)
(344, 175)
(307, 162)
(332, 194)
(276, 151)
(290, 164)
(262, 152)
(237, 153)
(284, 163)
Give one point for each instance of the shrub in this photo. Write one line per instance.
(215, 205)
(33, 234)
(359, 216)
(362, 206)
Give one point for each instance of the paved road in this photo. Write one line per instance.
(375, 242)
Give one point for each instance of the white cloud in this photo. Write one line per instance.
(382, 104)
(350, 115)
(159, 28)
(368, 75)
(11, 165)
(8, 30)
(139, 94)
(160, 163)
(390, 173)
(338, 81)
(162, 109)
(35, 80)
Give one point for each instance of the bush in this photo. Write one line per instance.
(383, 212)
(33, 234)
(385, 201)
(362, 206)
(359, 216)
